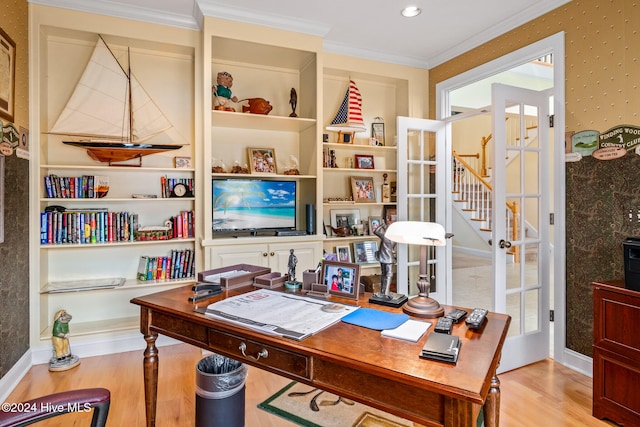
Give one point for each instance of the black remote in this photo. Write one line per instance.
(476, 318)
(444, 325)
(456, 315)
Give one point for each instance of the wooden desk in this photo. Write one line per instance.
(351, 361)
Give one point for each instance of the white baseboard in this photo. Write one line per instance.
(578, 362)
(470, 251)
(12, 378)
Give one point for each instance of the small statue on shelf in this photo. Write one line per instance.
(293, 101)
(291, 282)
(222, 96)
(385, 255)
(62, 359)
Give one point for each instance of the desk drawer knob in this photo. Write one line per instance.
(262, 353)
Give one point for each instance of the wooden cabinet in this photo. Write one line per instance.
(616, 353)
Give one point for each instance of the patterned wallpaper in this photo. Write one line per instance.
(602, 91)
(14, 252)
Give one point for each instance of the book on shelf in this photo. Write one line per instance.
(178, 265)
(76, 187)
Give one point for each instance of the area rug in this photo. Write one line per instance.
(312, 407)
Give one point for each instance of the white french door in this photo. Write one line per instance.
(521, 212)
(423, 168)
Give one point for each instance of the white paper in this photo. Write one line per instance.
(411, 330)
(278, 313)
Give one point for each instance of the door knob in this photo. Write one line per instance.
(505, 244)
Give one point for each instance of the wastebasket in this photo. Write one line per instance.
(220, 390)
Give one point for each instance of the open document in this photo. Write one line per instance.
(278, 313)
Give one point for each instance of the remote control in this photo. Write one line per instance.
(476, 318)
(444, 325)
(456, 315)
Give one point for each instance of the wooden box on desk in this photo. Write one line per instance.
(246, 273)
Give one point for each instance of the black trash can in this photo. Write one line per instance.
(220, 390)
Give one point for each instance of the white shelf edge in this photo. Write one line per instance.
(111, 244)
(260, 176)
(360, 146)
(259, 121)
(95, 327)
(117, 168)
(350, 238)
(128, 285)
(359, 170)
(119, 199)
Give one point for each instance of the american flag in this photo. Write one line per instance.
(349, 116)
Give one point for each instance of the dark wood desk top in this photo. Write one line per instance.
(354, 347)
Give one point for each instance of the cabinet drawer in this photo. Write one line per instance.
(276, 359)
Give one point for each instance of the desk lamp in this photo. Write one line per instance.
(423, 234)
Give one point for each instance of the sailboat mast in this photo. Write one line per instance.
(130, 95)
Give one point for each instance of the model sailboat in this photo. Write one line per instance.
(111, 113)
(348, 119)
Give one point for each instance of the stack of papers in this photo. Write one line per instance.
(441, 347)
(411, 330)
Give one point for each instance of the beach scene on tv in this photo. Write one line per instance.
(243, 204)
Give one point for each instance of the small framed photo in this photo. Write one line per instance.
(394, 196)
(341, 278)
(365, 252)
(8, 76)
(346, 137)
(344, 253)
(364, 161)
(182, 162)
(377, 132)
(262, 160)
(362, 189)
(345, 217)
(374, 223)
(390, 214)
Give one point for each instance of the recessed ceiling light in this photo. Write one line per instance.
(411, 11)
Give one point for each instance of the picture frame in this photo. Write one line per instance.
(390, 214)
(344, 253)
(344, 217)
(364, 161)
(377, 132)
(8, 77)
(182, 162)
(346, 137)
(262, 161)
(374, 223)
(342, 279)
(394, 195)
(365, 252)
(362, 189)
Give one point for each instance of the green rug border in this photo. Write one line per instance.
(266, 405)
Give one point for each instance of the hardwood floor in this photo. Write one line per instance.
(542, 394)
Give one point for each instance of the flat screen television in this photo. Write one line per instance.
(253, 205)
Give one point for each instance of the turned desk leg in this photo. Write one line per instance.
(492, 404)
(151, 378)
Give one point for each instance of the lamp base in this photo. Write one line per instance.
(390, 300)
(422, 306)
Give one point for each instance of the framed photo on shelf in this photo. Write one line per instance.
(344, 253)
(364, 161)
(182, 162)
(393, 187)
(365, 252)
(262, 160)
(374, 223)
(345, 217)
(362, 189)
(341, 278)
(377, 132)
(390, 214)
(8, 77)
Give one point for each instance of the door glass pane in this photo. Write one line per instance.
(531, 217)
(531, 269)
(512, 172)
(531, 181)
(531, 316)
(514, 310)
(531, 126)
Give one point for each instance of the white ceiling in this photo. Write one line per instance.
(372, 29)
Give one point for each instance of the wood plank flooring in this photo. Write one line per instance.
(542, 394)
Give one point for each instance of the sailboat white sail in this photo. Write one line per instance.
(349, 115)
(110, 108)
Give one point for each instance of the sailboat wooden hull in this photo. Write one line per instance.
(114, 152)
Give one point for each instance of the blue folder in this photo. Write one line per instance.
(375, 319)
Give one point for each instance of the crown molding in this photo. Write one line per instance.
(344, 49)
(191, 21)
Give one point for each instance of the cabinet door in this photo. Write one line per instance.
(308, 254)
(224, 256)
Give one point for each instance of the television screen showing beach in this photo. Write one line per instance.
(246, 204)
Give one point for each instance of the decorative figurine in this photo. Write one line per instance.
(291, 282)
(62, 359)
(222, 92)
(386, 258)
(386, 189)
(293, 101)
(257, 106)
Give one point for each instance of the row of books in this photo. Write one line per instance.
(167, 184)
(183, 224)
(87, 226)
(76, 187)
(180, 264)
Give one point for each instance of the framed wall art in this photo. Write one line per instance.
(344, 253)
(365, 252)
(341, 278)
(362, 189)
(345, 217)
(7, 76)
(262, 160)
(377, 132)
(374, 223)
(364, 161)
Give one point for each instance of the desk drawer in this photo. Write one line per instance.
(276, 359)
